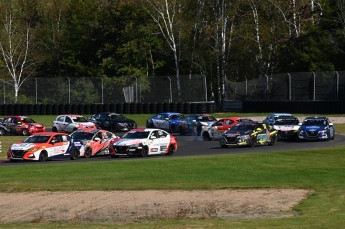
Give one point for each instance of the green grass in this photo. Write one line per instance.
(319, 170)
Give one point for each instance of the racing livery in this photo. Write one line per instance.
(168, 121)
(316, 128)
(248, 134)
(70, 123)
(270, 119)
(195, 123)
(40, 147)
(144, 142)
(22, 125)
(215, 131)
(287, 127)
(88, 143)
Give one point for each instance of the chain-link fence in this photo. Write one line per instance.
(302, 86)
(66, 90)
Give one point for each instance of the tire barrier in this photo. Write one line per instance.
(140, 108)
(304, 107)
(160, 108)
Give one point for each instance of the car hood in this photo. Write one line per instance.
(238, 132)
(286, 127)
(88, 124)
(128, 142)
(313, 128)
(207, 123)
(25, 146)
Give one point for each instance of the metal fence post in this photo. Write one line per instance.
(102, 90)
(337, 85)
(290, 92)
(170, 89)
(314, 86)
(69, 90)
(205, 85)
(36, 88)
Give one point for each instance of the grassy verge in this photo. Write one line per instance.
(319, 170)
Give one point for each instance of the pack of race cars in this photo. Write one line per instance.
(74, 136)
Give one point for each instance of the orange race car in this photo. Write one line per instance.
(40, 147)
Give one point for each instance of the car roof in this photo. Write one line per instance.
(49, 133)
(144, 129)
(316, 117)
(16, 116)
(281, 114)
(170, 113)
(71, 115)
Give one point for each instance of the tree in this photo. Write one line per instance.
(15, 42)
(165, 14)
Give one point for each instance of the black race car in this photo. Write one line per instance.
(249, 134)
(4, 130)
(113, 122)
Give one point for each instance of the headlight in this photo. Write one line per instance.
(34, 149)
(135, 145)
(244, 137)
(121, 124)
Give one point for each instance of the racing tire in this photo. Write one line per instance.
(75, 155)
(222, 145)
(182, 131)
(206, 137)
(144, 152)
(43, 156)
(150, 125)
(88, 152)
(252, 142)
(2, 132)
(273, 140)
(54, 129)
(25, 132)
(171, 150)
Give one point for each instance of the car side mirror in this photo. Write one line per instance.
(97, 139)
(153, 137)
(331, 124)
(167, 119)
(53, 141)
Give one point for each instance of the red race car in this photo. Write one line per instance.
(88, 143)
(22, 125)
(215, 131)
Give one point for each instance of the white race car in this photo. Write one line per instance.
(144, 142)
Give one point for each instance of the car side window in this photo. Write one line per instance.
(61, 119)
(7, 120)
(228, 122)
(68, 119)
(162, 134)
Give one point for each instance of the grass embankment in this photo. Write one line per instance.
(319, 170)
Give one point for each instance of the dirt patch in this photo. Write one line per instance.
(123, 206)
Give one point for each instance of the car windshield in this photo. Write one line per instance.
(28, 120)
(79, 119)
(206, 118)
(176, 116)
(37, 139)
(115, 117)
(314, 122)
(136, 135)
(81, 135)
(242, 127)
(286, 121)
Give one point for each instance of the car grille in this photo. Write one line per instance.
(285, 134)
(18, 153)
(231, 139)
(131, 125)
(121, 149)
(312, 134)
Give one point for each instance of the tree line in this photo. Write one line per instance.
(124, 40)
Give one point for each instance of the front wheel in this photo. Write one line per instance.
(43, 156)
(144, 152)
(2, 132)
(88, 153)
(222, 144)
(273, 140)
(206, 136)
(75, 155)
(171, 150)
(25, 132)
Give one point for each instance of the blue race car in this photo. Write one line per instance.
(168, 121)
(316, 128)
(195, 123)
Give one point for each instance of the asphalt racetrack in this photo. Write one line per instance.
(189, 146)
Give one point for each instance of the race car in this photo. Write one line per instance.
(40, 147)
(4, 130)
(144, 142)
(69, 123)
(270, 119)
(88, 143)
(248, 134)
(168, 121)
(287, 127)
(113, 122)
(194, 123)
(22, 125)
(215, 131)
(316, 128)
